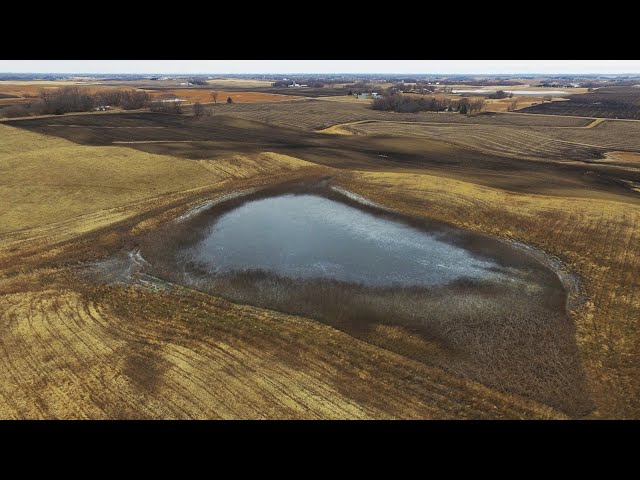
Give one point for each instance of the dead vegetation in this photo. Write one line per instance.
(608, 102)
(570, 227)
(77, 349)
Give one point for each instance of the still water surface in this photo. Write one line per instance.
(309, 236)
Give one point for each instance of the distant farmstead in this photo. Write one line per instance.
(369, 95)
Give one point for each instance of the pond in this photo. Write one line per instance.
(448, 297)
(308, 236)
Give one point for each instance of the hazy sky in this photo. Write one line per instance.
(320, 66)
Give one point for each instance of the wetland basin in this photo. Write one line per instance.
(310, 236)
(448, 297)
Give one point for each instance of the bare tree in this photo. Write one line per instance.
(214, 96)
(198, 109)
(166, 107)
(229, 100)
(512, 106)
(547, 98)
(476, 105)
(66, 99)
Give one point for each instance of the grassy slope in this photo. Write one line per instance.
(599, 239)
(71, 350)
(47, 179)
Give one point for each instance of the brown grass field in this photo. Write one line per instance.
(75, 345)
(224, 83)
(30, 90)
(204, 96)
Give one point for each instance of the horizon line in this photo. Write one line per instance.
(326, 73)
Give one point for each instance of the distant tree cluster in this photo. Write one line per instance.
(64, 100)
(14, 111)
(465, 105)
(199, 110)
(197, 81)
(358, 88)
(500, 94)
(73, 99)
(410, 104)
(166, 107)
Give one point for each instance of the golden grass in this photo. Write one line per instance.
(121, 353)
(598, 239)
(239, 82)
(204, 96)
(43, 83)
(47, 179)
(623, 157)
(345, 99)
(32, 89)
(341, 129)
(73, 350)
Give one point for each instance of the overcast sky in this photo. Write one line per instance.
(320, 66)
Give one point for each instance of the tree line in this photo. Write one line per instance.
(411, 104)
(74, 99)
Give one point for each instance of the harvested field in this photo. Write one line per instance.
(49, 180)
(537, 142)
(625, 158)
(78, 343)
(607, 102)
(571, 228)
(224, 83)
(432, 326)
(319, 114)
(72, 350)
(204, 96)
(99, 356)
(473, 151)
(31, 89)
